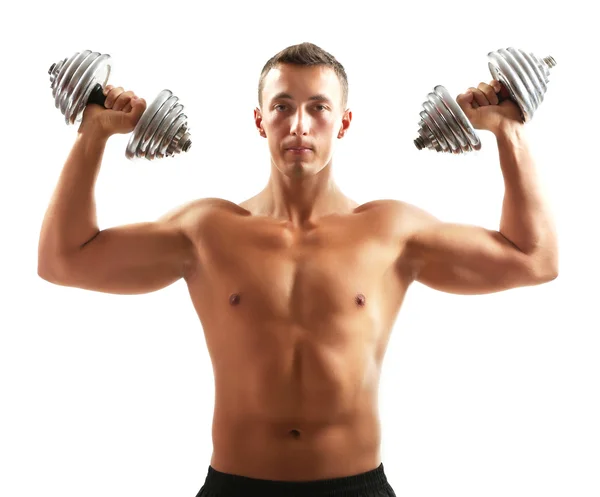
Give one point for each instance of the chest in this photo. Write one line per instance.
(300, 278)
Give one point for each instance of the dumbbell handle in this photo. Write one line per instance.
(162, 130)
(97, 96)
(444, 127)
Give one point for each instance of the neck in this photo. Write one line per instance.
(302, 200)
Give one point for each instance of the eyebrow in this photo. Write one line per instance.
(283, 95)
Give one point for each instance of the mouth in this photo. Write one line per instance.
(298, 150)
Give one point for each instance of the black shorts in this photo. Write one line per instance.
(370, 484)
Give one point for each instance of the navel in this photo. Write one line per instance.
(295, 434)
(234, 299)
(360, 300)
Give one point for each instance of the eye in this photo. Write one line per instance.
(320, 108)
(279, 105)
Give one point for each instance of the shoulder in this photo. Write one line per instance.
(195, 217)
(386, 206)
(397, 216)
(202, 208)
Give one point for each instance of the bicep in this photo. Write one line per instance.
(465, 259)
(131, 259)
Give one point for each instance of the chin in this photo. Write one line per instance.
(300, 170)
(296, 168)
(308, 168)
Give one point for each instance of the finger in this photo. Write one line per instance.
(496, 85)
(479, 97)
(466, 101)
(490, 93)
(127, 108)
(111, 96)
(138, 106)
(122, 100)
(502, 90)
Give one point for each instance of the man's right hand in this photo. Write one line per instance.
(121, 113)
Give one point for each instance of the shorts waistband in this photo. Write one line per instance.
(360, 484)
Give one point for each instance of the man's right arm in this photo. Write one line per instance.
(130, 259)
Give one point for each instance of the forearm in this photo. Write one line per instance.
(526, 219)
(70, 219)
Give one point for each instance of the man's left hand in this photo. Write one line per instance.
(489, 107)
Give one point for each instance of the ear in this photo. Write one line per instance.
(346, 119)
(258, 122)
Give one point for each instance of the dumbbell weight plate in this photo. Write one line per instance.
(62, 85)
(511, 76)
(444, 126)
(437, 110)
(76, 71)
(524, 64)
(78, 81)
(464, 125)
(97, 72)
(171, 135)
(58, 73)
(161, 120)
(74, 79)
(524, 75)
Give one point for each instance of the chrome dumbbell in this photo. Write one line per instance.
(444, 127)
(162, 131)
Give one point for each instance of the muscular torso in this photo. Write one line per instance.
(297, 322)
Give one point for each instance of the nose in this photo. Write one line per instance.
(300, 123)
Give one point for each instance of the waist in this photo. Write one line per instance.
(369, 483)
(296, 449)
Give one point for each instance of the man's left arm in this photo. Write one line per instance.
(468, 259)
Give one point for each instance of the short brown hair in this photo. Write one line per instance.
(305, 54)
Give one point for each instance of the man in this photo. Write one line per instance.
(297, 288)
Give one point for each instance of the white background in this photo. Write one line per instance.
(107, 395)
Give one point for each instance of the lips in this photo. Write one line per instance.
(298, 151)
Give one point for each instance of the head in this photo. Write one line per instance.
(303, 97)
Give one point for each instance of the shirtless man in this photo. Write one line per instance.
(297, 288)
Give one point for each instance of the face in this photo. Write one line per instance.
(302, 117)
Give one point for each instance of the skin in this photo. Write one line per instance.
(297, 288)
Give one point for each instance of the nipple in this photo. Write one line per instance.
(360, 299)
(234, 299)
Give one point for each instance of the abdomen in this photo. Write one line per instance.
(296, 402)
